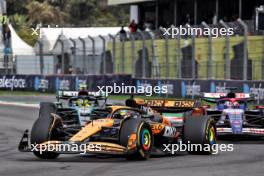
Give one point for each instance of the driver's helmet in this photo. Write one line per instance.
(120, 115)
(149, 110)
(83, 90)
(83, 103)
(123, 113)
(236, 104)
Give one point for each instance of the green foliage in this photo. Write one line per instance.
(16, 6)
(25, 33)
(20, 23)
(68, 12)
(24, 14)
(18, 20)
(44, 13)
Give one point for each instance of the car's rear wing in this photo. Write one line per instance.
(163, 104)
(213, 97)
(71, 94)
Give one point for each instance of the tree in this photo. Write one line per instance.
(81, 12)
(16, 6)
(24, 14)
(18, 19)
(44, 13)
(22, 28)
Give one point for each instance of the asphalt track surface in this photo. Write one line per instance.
(245, 160)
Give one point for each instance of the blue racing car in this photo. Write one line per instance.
(232, 114)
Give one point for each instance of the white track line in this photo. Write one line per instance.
(19, 104)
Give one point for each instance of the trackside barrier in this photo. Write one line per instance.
(175, 87)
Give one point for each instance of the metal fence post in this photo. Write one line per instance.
(14, 65)
(84, 54)
(132, 39)
(210, 51)
(74, 53)
(62, 56)
(176, 64)
(245, 59)
(103, 59)
(167, 64)
(41, 61)
(113, 51)
(122, 55)
(154, 63)
(179, 56)
(93, 53)
(227, 55)
(193, 57)
(143, 54)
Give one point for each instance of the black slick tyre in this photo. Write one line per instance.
(200, 133)
(41, 130)
(144, 138)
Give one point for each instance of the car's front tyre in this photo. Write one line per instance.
(200, 131)
(143, 138)
(42, 129)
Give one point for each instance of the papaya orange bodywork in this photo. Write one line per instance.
(91, 129)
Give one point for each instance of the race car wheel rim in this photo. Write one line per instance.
(146, 139)
(212, 139)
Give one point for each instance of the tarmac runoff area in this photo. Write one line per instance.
(246, 159)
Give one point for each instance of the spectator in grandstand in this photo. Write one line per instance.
(4, 19)
(122, 34)
(141, 26)
(133, 26)
(234, 17)
(149, 26)
(188, 19)
(58, 68)
(78, 71)
(71, 70)
(6, 35)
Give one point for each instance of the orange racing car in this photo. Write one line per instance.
(137, 130)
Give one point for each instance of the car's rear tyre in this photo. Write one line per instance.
(262, 117)
(199, 131)
(144, 138)
(42, 129)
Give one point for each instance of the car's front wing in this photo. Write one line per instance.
(245, 131)
(67, 147)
